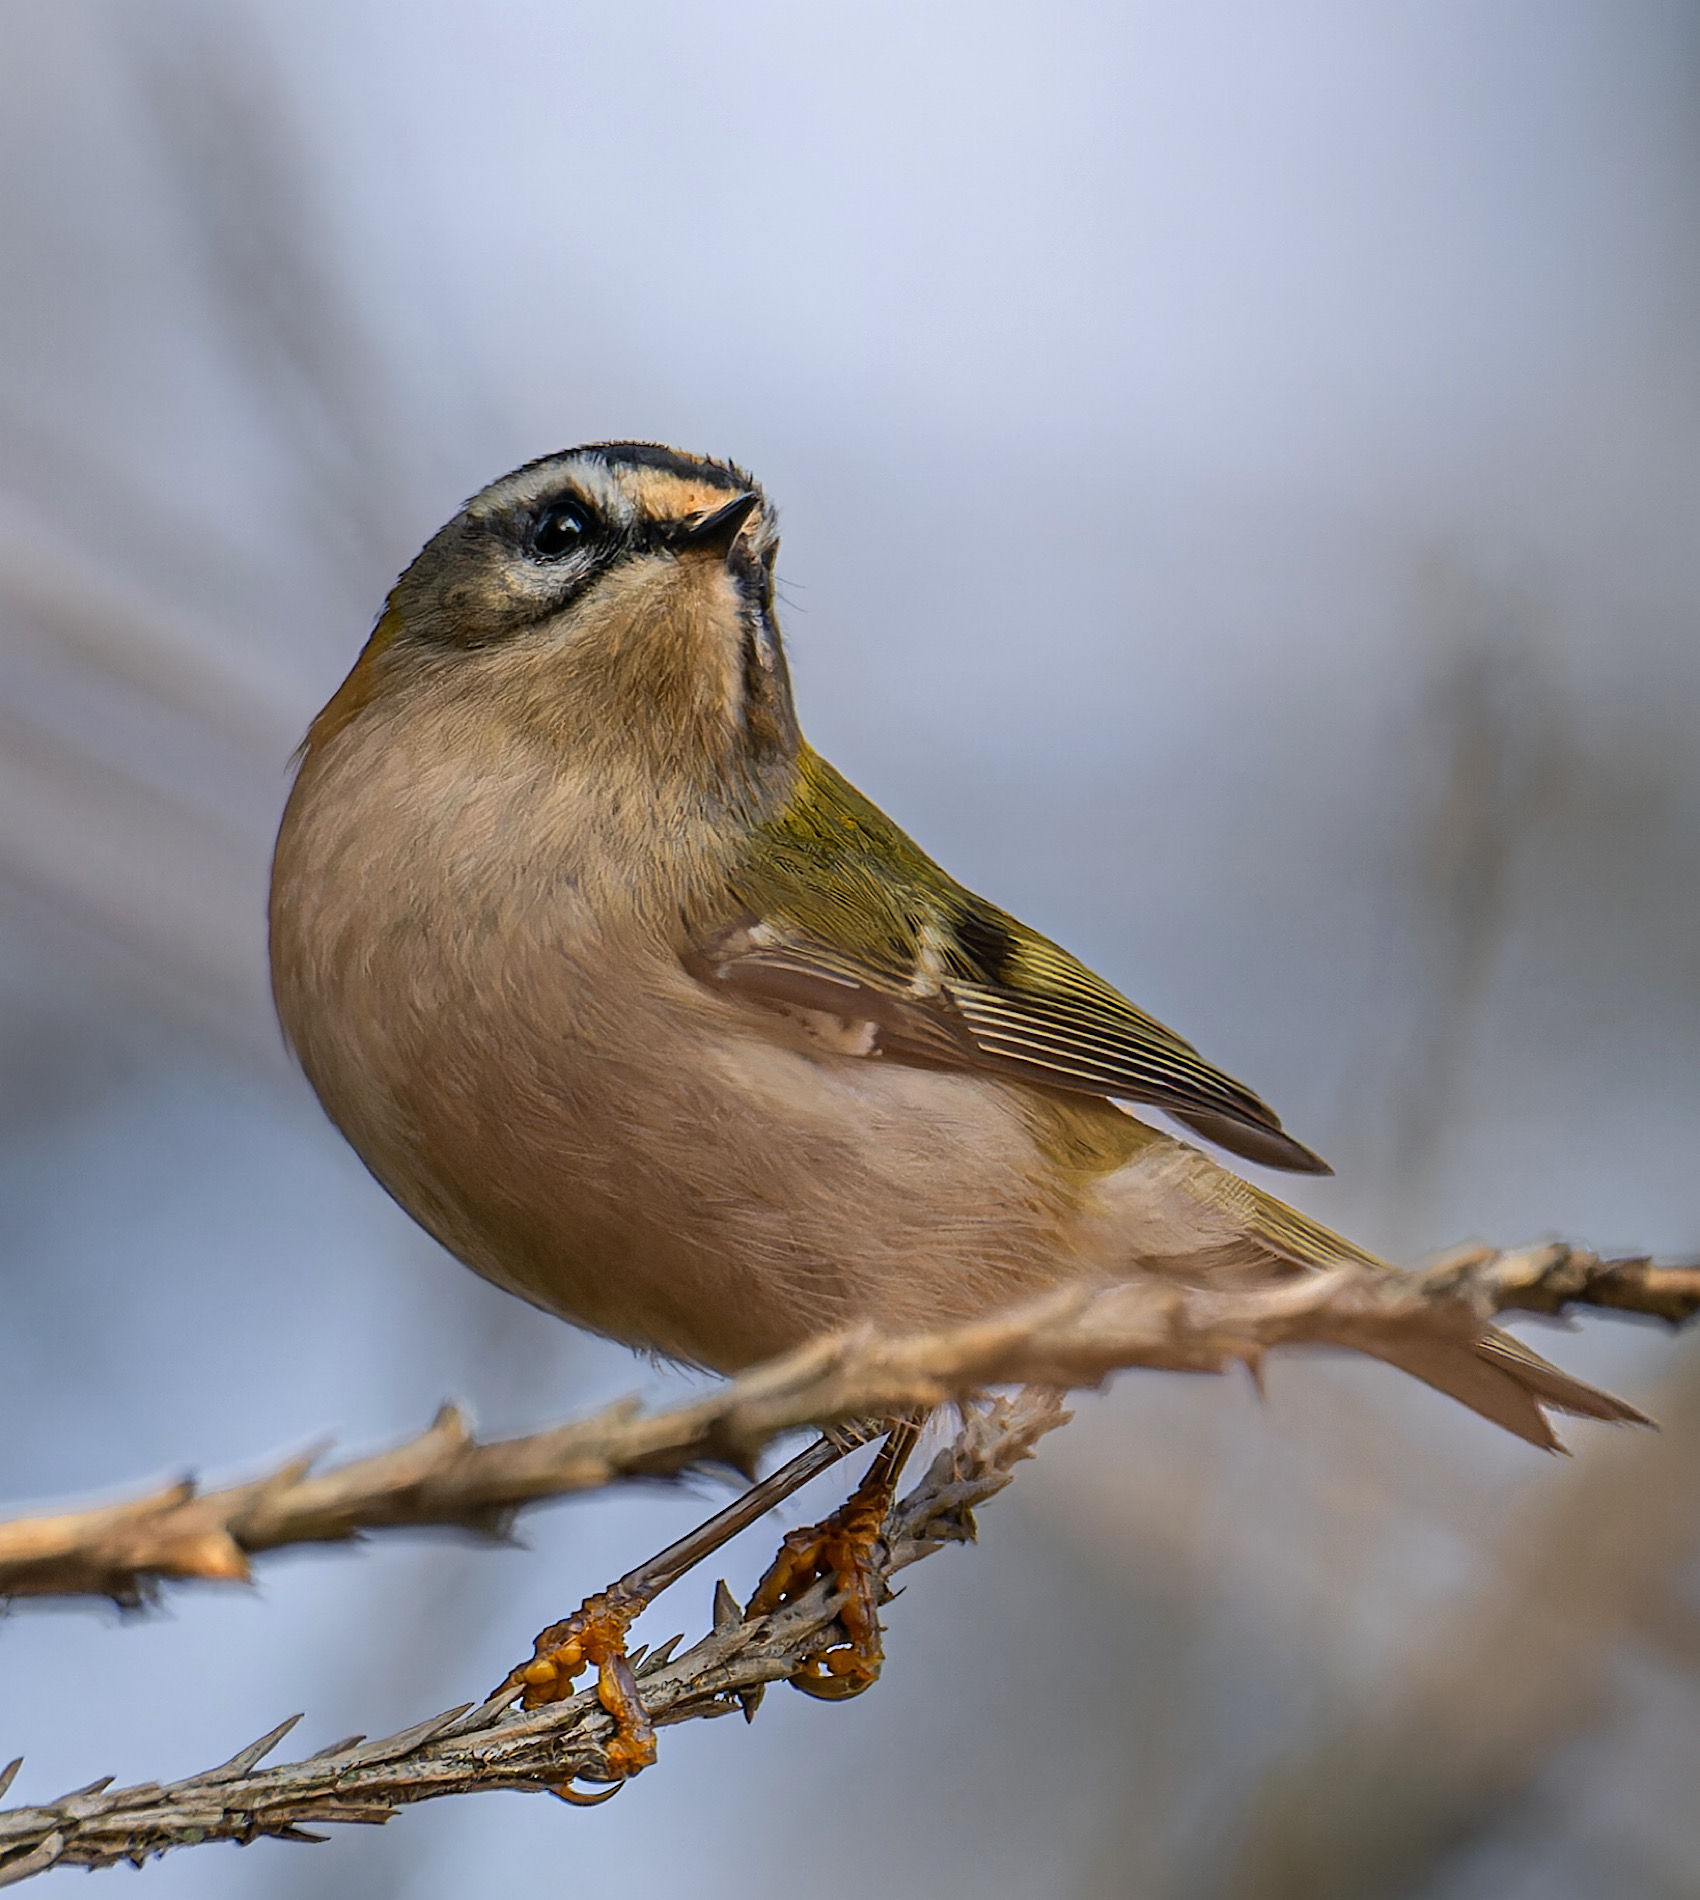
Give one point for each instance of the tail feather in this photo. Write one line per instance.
(1495, 1375)
(1504, 1381)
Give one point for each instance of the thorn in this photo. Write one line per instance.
(213, 1557)
(660, 1656)
(137, 1793)
(336, 1748)
(451, 1423)
(1253, 1363)
(244, 1759)
(77, 1794)
(9, 1773)
(404, 1741)
(727, 1613)
(750, 1699)
(293, 1470)
(486, 1712)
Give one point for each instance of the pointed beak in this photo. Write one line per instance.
(714, 531)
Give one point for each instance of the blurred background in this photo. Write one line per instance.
(1239, 468)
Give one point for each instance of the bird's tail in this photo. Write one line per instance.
(1495, 1374)
(1502, 1379)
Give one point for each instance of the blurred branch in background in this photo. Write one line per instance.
(164, 667)
(1488, 1693)
(237, 166)
(1072, 1339)
(1492, 737)
(466, 1750)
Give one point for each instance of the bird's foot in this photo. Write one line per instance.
(594, 1636)
(844, 1548)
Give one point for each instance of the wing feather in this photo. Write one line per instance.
(842, 915)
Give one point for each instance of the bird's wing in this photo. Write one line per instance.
(839, 913)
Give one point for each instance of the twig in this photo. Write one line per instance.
(1548, 1279)
(468, 1749)
(1072, 1339)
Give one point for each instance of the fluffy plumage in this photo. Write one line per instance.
(649, 1016)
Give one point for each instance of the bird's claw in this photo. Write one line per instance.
(594, 1635)
(843, 1548)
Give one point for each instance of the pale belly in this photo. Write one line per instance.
(715, 1196)
(566, 1109)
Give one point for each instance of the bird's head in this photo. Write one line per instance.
(619, 593)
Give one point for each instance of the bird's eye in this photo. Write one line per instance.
(560, 529)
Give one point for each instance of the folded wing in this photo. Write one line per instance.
(843, 917)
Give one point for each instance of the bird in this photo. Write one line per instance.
(650, 1017)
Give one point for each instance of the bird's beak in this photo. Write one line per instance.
(714, 531)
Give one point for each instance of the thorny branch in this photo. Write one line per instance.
(445, 1477)
(468, 1749)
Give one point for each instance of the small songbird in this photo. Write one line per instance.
(652, 1018)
